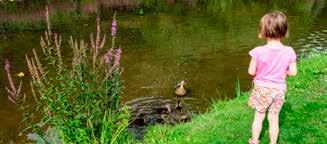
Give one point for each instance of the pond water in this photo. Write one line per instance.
(205, 43)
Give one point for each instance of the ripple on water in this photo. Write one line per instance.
(314, 42)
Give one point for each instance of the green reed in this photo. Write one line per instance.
(79, 102)
(238, 90)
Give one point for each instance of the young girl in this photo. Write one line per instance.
(269, 65)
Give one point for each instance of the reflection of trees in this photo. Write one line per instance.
(31, 9)
(226, 19)
(222, 6)
(237, 16)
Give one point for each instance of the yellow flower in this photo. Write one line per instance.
(21, 74)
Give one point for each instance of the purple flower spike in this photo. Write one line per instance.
(117, 57)
(113, 28)
(7, 65)
(107, 57)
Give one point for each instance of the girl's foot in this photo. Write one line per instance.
(253, 141)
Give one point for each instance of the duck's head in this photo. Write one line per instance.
(183, 83)
(180, 84)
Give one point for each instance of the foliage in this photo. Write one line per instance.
(302, 119)
(77, 103)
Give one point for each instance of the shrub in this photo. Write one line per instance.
(77, 103)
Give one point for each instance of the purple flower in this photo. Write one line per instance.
(107, 57)
(113, 28)
(117, 57)
(7, 65)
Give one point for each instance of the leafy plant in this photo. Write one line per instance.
(77, 103)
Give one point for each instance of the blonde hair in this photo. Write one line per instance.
(273, 25)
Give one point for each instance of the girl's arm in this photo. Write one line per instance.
(292, 69)
(252, 67)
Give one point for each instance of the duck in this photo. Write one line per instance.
(180, 89)
(178, 106)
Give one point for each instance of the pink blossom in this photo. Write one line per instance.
(117, 57)
(107, 57)
(113, 28)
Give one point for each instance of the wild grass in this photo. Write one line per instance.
(77, 102)
(238, 91)
(302, 119)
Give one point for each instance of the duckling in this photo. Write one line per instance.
(164, 118)
(166, 109)
(161, 119)
(178, 106)
(184, 118)
(168, 119)
(138, 121)
(180, 89)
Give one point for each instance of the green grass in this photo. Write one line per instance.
(302, 119)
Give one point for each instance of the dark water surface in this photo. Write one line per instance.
(164, 42)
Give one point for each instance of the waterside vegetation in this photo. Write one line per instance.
(77, 103)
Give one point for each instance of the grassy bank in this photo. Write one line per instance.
(302, 119)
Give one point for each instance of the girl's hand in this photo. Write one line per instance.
(252, 67)
(292, 69)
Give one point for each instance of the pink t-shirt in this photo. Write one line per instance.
(272, 64)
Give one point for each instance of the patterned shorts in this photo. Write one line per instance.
(265, 98)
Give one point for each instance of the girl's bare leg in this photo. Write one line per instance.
(257, 126)
(273, 127)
